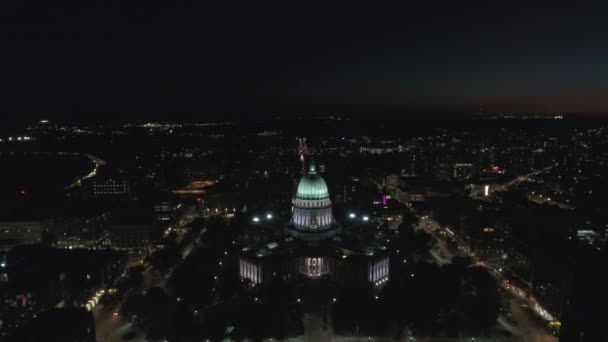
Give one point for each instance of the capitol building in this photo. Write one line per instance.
(313, 245)
(312, 216)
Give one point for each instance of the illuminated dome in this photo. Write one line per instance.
(312, 210)
(312, 186)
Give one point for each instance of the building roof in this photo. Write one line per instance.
(312, 186)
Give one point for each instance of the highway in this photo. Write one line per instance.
(97, 162)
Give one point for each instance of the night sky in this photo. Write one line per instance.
(116, 60)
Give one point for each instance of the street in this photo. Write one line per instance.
(522, 323)
(110, 328)
(114, 328)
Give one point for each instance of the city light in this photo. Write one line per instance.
(304, 239)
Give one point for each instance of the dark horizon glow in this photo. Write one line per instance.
(190, 60)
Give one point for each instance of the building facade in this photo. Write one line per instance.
(312, 245)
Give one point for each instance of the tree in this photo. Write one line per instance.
(132, 280)
(480, 301)
(412, 242)
(359, 312)
(155, 310)
(164, 259)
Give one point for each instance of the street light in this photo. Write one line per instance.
(269, 216)
(365, 218)
(256, 219)
(352, 215)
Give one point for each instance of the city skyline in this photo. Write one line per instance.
(143, 231)
(196, 171)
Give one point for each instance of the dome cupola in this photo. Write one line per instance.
(312, 186)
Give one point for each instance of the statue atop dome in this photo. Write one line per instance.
(312, 169)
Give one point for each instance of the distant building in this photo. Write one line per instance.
(463, 171)
(481, 191)
(201, 171)
(132, 228)
(22, 231)
(134, 238)
(391, 181)
(419, 189)
(517, 160)
(348, 190)
(165, 210)
(486, 158)
(596, 236)
(381, 148)
(111, 187)
(79, 232)
(409, 189)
